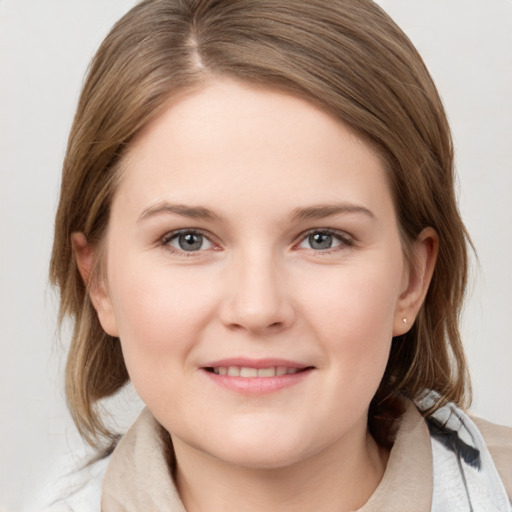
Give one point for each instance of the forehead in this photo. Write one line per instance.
(234, 144)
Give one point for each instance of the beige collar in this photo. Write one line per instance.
(408, 482)
(137, 477)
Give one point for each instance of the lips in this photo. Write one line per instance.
(256, 376)
(251, 372)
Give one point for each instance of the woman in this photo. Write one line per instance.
(258, 228)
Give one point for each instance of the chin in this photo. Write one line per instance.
(263, 458)
(268, 451)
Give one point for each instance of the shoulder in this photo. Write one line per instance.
(498, 440)
(472, 461)
(75, 486)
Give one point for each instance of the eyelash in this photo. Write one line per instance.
(169, 237)
(346, 241)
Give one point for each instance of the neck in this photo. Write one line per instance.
(341, 478)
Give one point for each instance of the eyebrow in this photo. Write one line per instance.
(192, 212)
(326, 210)
(306, 213)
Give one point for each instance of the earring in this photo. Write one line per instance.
(405, 321)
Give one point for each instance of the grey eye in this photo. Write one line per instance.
(320, 241)
(190, 242)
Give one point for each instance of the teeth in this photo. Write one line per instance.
(266, 372)
(248, 372)
(234, 371)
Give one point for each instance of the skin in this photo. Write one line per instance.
(258, 287)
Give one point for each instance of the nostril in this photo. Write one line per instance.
(256, 314)
(272, 326)
(235, 327)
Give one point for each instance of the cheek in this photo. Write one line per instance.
(160, 313)
(352, 311)
(356, 329)
(149, 295)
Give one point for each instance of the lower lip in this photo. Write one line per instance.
(258, 385)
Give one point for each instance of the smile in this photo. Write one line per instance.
(250, 372)
(256, 377)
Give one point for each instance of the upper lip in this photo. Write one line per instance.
(255, 363)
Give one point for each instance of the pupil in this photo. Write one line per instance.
(320, 241)
(190, 242)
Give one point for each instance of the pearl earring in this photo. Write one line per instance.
(404, 320)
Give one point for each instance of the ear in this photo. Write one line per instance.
(96, 286)
(416, 280)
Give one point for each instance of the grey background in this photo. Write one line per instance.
(44, 50)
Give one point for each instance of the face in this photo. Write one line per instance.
(254, 275)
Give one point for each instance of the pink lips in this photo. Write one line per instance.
(256, 376)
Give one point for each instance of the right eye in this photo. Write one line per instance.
(187, 241)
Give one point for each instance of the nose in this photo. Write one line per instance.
(257, 298)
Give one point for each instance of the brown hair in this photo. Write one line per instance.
(348, 57)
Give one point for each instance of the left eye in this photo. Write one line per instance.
(188, 241)
(323, 240)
